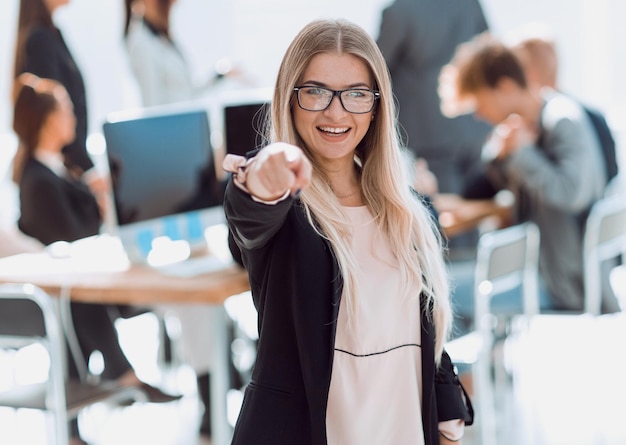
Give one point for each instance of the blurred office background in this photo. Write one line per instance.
(255, 34)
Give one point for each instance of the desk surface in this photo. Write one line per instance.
(101, 273)
(98, 271)
(458, 215)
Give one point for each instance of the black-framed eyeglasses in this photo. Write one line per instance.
(353, 100)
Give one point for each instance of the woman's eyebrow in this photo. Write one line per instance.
(322, 84)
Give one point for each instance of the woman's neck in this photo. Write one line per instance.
(52, 159)
(157, 20)
(49, 143)
(346, 185)
(48, 151)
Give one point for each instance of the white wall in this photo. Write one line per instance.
(255, 34)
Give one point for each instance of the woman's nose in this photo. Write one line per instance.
(335, 107)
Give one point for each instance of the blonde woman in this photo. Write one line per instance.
(345, 262)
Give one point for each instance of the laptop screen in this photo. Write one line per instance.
(163, 175)
(161, 165)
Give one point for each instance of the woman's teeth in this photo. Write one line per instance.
(334, 130)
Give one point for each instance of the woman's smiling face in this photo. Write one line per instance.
(333, 134)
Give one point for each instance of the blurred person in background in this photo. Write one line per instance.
(41, 50)
(156, 59)
(56, 206)
(535, 46)
(163, 77)
(544, 149)
(418, 37)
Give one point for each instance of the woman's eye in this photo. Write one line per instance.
(316, 91)
(355, 94)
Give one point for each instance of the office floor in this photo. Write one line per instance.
(566, 387)
(167, 424)
(174, 423)
(566, 383)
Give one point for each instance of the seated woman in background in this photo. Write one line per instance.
(56, 206)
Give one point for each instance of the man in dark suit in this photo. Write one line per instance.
(417, 38)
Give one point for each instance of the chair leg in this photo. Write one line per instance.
(204, 394)
(166, 342)
(484, 390)
(73, 429)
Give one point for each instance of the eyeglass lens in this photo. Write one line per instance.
(353, 101)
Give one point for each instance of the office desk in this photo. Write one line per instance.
(96, 270)
(458, 215)
(113, 280)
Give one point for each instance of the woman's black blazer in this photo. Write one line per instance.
(296, 287)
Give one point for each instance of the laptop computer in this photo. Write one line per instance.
(165, 188)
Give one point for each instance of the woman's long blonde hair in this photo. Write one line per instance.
(385, 187)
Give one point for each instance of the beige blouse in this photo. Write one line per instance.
(376, 389)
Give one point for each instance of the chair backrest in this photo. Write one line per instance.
(28, 315)
(604, 238)
(607, 142)
(505, 259)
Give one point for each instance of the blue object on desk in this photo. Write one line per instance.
(195, 229)
(171, 228)
(144, 241)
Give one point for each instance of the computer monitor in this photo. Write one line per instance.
(163, 174)
(239, 119)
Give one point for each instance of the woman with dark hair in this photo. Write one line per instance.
(56, 206)
(41, 50)
(157, 62)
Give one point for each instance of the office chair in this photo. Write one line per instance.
(604, 239)
(505, 259)
(28, 315)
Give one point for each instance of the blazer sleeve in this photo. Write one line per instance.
(453, 402)
(252, 223)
